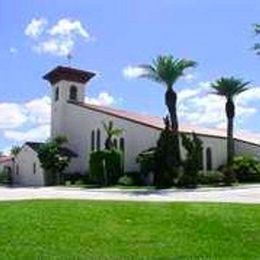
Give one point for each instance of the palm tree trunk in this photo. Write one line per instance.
(171, 101)
(230, 111)
(230, 142)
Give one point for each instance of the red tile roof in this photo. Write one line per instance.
(5, 158)
(157, 123)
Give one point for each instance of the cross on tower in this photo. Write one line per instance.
(69, 58)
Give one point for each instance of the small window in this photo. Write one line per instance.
(122, 144)
(57, 94)
(17, 169)
(98, 139)
(93, 140)
(73, 93)
(115, 143)
(209, 159)
(34, 168)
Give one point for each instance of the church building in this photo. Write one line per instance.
(81, 123)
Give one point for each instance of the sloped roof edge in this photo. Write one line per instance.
(157, 122)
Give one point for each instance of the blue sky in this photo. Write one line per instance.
(112, 37)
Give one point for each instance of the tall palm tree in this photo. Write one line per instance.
(111, 132)
(229, 88)
(167, 70)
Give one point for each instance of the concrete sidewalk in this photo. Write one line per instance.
(239, 194)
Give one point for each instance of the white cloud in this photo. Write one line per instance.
(199, 106)
(189, 77)
(36, 27)
(56, 46)
(249, 96)
(34, 116)
(187, 93)
(59, 39)
(35, 113)
(39, 110)
(39, 133)
(68, 27)
(12, 115)
(133, 72)
(103, 99)
(6, 150)
(13, 50)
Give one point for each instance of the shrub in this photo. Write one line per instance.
(105, 166)
(72, 178)
(113, 165)
(96, 167)
(125, 180)
(4, 177)
(166, 157)
(247, 169)
(229, 175)
(52, 159)
(193, 162)
(136, 177)
(147, 161)
(211, 177)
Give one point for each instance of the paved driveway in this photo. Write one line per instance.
(240, 194)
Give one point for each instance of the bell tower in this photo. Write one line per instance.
(67, 85)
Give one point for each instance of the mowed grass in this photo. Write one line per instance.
(63, 229)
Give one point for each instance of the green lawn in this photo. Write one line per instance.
(63, 229)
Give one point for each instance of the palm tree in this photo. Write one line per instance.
(15, 150)
(111, 133)
(167, 70)
(229, 88)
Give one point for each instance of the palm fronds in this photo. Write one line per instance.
(229, 86)
(166, 69)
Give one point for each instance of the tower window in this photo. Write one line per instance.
(93, 140)
(98, 139)
(209, 159)
(73, 93)
(56, 94)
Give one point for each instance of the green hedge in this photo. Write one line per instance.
(246, 169)
(105, 166)
(211, 178)
(5, 177)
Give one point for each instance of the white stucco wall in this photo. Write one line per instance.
(78, 127)
(25, 176)
(57, 106)
(79, 122)
(244, 148)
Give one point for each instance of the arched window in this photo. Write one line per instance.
(122, 144)
(17, 169)
(209, 159)
(73, 93)
(201, 160)
(115, 143)
(56, 94)
(34, 168)
(93, 140)
(98, 139)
